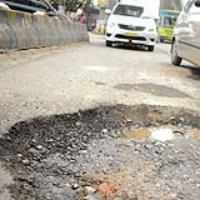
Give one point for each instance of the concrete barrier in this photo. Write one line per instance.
(20, 30)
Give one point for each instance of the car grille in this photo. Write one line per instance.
(131, 28)
(139, 38)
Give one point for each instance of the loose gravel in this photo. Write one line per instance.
(87, 155)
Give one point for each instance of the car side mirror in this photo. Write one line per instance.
(185, 9)
(108, 11)
(197, 3)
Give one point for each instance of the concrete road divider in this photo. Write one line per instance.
(20, 30)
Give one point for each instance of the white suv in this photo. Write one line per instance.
(128, 24)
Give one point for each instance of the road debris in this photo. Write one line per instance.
(107, 153)
(162, 134)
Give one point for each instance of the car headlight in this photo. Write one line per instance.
(111, 25)
(151, 30)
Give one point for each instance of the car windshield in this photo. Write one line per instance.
(128, 10)
(168, 21)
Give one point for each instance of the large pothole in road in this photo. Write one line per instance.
(108, 153)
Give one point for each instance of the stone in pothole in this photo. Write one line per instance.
(162, 134)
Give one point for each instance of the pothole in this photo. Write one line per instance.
(99, 83)
(124, 86)
(107, 153)
(154, 89)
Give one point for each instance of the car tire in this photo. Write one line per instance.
(151, 48)
(175, 59)
(108, 43)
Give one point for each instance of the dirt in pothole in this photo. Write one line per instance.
(107, 153)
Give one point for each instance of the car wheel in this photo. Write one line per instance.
(108, 43)
(151, 48)
(175, 59)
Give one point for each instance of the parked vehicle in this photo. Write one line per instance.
(132, 22)
(166, 26)
(30, 6)
(92, 16)
(186, 40)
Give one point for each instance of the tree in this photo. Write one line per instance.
(72, 5)
(171, 4)
(102, 3)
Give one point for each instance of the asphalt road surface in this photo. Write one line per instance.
(79, 76)
(76, 77)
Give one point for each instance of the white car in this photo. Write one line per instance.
(128, 24)
(186, 40)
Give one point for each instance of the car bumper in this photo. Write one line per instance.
(125, 36)
(166, 34)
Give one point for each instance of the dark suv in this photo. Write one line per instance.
(30, 6)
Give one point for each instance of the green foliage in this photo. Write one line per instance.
(73, 5)
(171, 4)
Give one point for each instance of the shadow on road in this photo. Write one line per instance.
(120, 47)
(194, 71)
(101, 43)
(186, 70)
(130, 47)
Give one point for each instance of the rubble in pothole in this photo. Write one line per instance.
(107, 153)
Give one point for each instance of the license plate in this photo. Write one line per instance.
(131, 34)
(169, 32)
